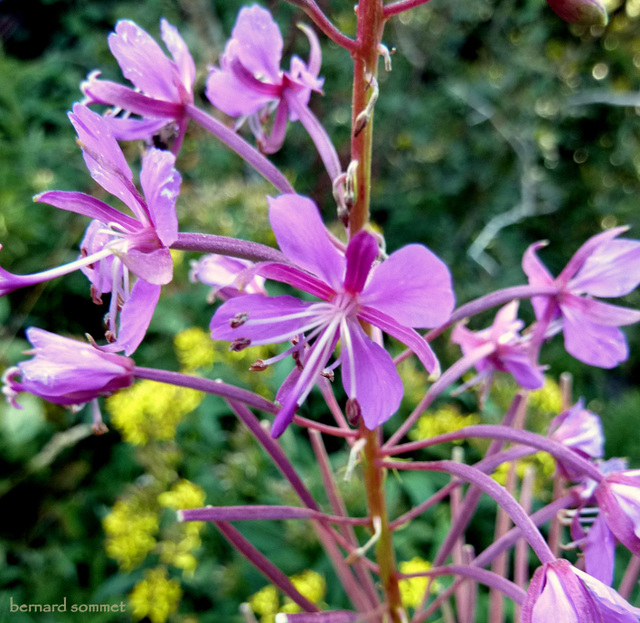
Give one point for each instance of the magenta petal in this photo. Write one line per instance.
(87, 206)
(161, 185)
(407, 336)
(612, 270)
(134, 129)
(226, 92)
(413, 286)
(271, 315)
(593, 344)
(360, 255)
(599, 551)
(135, 317)
(598, 312)
(155, 267)
(612, 607)
(142, 61)
(369, 376)
(297, 278)
(258, 42)
(518, 364)
(180, 53)
(302, 237)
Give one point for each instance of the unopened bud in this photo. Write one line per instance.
(585, 12)
(354, 412)
(238, 320)
(240, 344)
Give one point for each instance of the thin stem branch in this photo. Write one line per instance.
(314, 12)
(401, 6)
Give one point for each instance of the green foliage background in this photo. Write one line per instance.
(499, 125)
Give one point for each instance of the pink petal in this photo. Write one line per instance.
(413, 287)
(161, 185)
(369, 376)
(271, 313)
(407, 336)
(134, 129)
(258, 42)
(519, 365)
(593, 344)
(155, 267)
(180, 53)
(612, 270)
(360, 255)
(598, 312)
(302, 237)
(226, 92)
(599, 551)
(143, 62)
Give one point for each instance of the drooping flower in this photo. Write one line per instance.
(560, 592)
(598, 544)
(227, 276)
(117, 244)
(581, 430)
(586, 12)
(66, 371)
(618, 496)
(163, 87)
(412, 288)
(250, 84)
(510, 353)
(602, 267)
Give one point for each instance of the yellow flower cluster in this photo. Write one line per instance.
(543, 463)
(155, 597)
(412, 589)
(266, 602)
(547, 399)
(194, 349)
(130, 530)
(447, 419)
(183, 494)
(151, 411)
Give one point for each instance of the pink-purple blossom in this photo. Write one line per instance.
(227, 276)
(581, 430)
(602, 267)
(510, 352)
(65, 371)
(117, 244)
(560, 592)
(163, 87)
(250, 83)
(412, 288)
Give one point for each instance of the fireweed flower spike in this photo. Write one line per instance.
(602, 266)
(163, 87)
(117, 244)
(66, 371)
(410, 289)
(560, 592)
(510, 354)
(250, 84)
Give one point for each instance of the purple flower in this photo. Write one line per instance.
(510, 352)
(560, 592)
(602, 266)
(227, 276)
(618, 496)
(587, 12)
(250, 83)
(598, 545)
(162, 87)
(581, 430)
(410, 289)
(66, 371)
(117, 244)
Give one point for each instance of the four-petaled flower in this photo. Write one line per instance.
(116, 243)
(250, 83)
(602, 266)
(66, 371)
(509, 354)
(412, 288)
(163, 87)
(560, 592)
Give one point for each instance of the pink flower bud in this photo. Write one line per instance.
(587, 12)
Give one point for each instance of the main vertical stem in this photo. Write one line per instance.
(365, 60)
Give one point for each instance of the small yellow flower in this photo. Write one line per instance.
(130, 531)
(265, 603)
(183, 494)
(447, 419)
(543, 463)
(548, 399)
(412, 589)
(155, 597)
(194, 348)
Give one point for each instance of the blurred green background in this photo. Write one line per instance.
(499, 125)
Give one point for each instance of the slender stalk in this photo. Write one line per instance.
(324, 23)
(222, 245)
(401, 6)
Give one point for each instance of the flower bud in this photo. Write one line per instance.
(586, 12)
